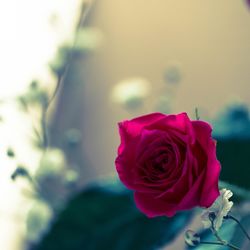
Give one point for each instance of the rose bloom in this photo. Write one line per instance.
(170, 163)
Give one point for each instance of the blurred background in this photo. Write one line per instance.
(70, 70)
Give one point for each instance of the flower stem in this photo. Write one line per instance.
(219, 244)
(240, 225)
(44, 128)
(223, 242)
(197, 114)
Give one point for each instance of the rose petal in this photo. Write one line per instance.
(202, 132)
(152, 206)
(179, 122)
(193, 196)
(133, 127)
(125, 161)
(210, 190)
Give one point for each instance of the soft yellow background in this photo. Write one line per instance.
(210, 40)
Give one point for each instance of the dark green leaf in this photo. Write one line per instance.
(102, 218)
(234, 157)
(239, 237)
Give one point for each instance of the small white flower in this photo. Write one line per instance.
(219, 210)
(192, 238)
(38, 220)
(52, 163)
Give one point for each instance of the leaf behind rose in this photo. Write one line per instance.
(239, 238)
(234, 157)
(104, 218)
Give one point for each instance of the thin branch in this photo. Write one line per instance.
(223, 242)
(83, 14)
(219, 244)
(44, 128)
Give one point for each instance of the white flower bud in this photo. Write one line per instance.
(218, 210)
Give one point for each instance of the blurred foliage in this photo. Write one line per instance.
(53, 178)
(72, 137)
(234, 157)
(173, 74)
(232, 132)
(232, 122)
(106, 218)
(131, 93)
(10, 153)
(20, 171)
(163, 104)
(86, 40)
(38, 219)
(35, 95)
(58, 65)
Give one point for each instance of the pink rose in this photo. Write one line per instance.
(169, 161)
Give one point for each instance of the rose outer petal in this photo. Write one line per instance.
(203, 133)
(179, 122)
(210, 190)
(130, 134)
(152, 206)
(132, 128)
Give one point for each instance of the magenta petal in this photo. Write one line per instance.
(203, 132)
(210, 189)
(125, 161)
(192, 197)
(152, 206)
(210, 186)
(133, 127)
(180, 123)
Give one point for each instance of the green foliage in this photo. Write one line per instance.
(234, 157)
(232, 132)
(106, 218)
(238, 237)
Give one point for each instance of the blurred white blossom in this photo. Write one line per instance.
(71, 177)
(38, 219)
(219, 209)
(89, 38)
(52, 163)
(131, 92)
